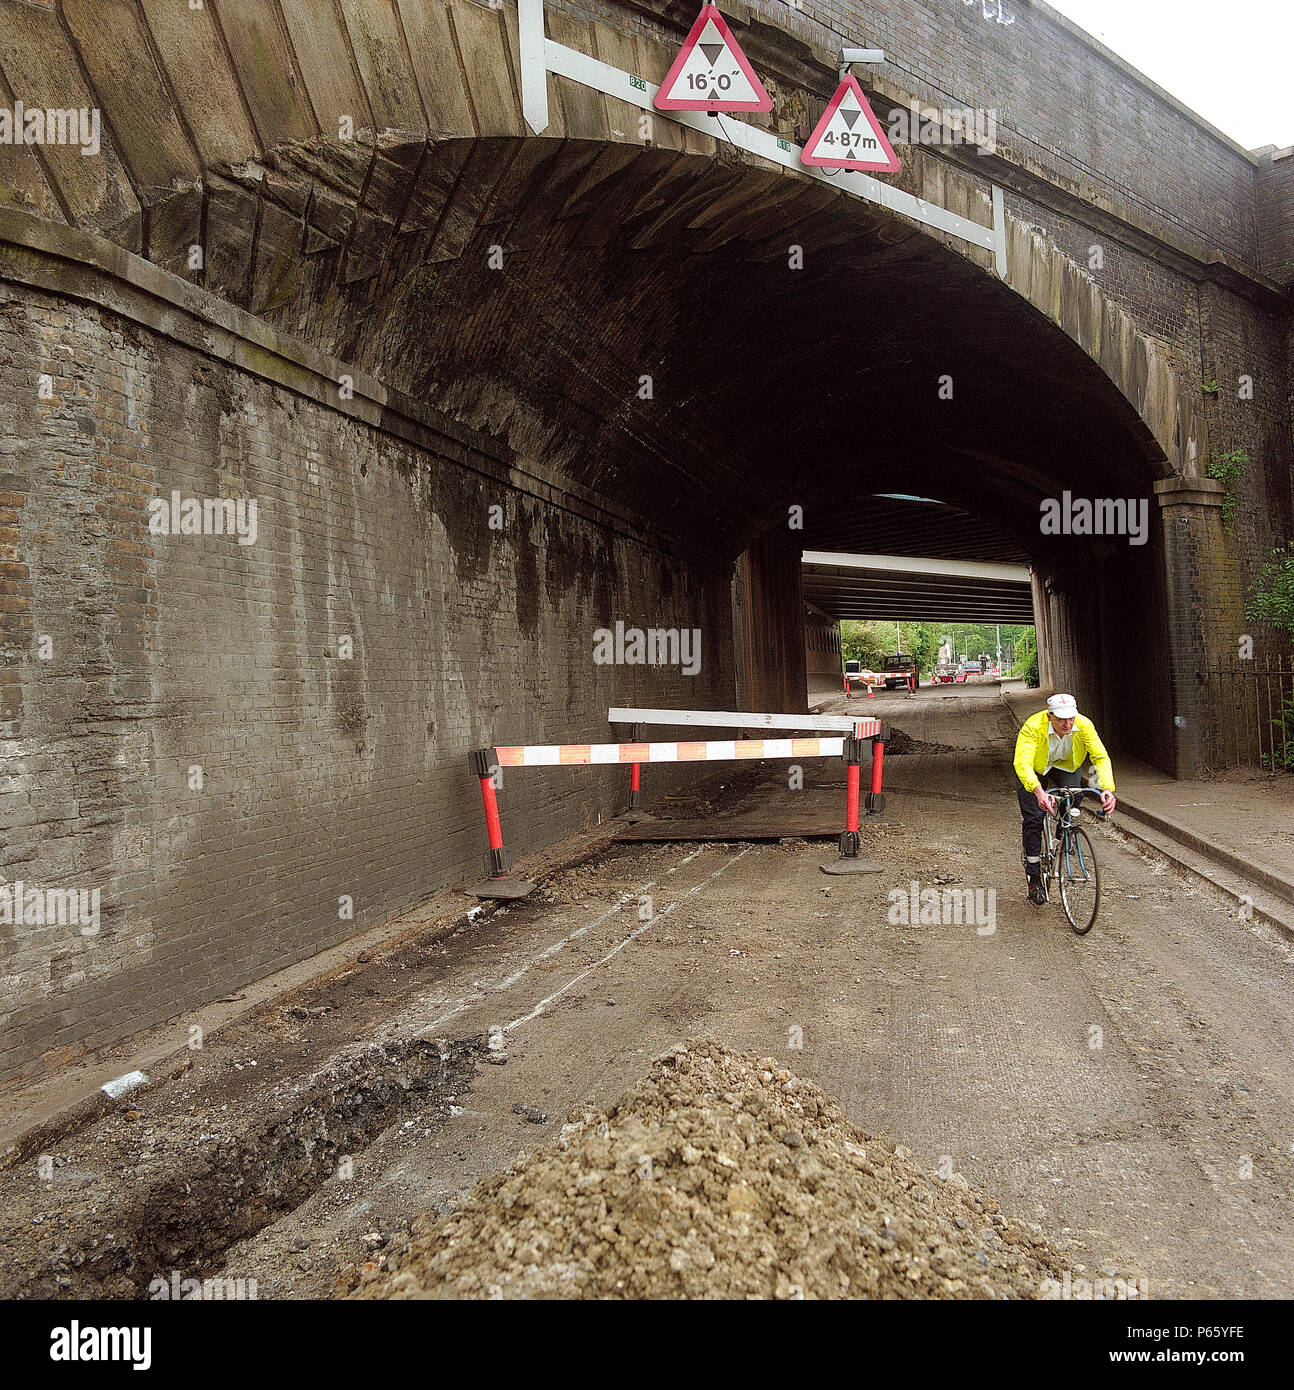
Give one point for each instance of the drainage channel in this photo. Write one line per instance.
(233, 1185)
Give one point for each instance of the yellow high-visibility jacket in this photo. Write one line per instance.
(1031, 751)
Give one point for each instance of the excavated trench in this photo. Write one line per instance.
(226, 1187)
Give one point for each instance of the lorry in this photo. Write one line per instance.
(899, 670)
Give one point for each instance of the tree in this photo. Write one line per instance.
(860, 642)
(1026, 657)
(974, 638)
(872, 642)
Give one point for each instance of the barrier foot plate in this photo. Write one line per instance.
(505, 888)
(845, 865)
(638, 817)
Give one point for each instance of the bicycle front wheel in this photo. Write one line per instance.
(1080, 881)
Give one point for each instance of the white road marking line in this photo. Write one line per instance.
(543, 1003)
(478, 995)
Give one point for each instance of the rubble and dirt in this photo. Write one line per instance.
(149, 1190)
(720, 1175)
(899, 744)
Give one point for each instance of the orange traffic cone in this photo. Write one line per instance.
(869, 690)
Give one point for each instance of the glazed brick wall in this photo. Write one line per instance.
(322, 776)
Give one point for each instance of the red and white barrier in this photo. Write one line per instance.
(708, 750)
(486, 761)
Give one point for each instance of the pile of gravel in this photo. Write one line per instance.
(900, 743)
(719, 1175)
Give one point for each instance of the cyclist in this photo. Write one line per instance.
(1050, 751)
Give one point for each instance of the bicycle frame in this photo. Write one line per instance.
(1058, 837)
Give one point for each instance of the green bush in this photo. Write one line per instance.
(1227, 468)
(1026, 658)
(1271, 599)
(1283, 757)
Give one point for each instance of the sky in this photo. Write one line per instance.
(1229, 60)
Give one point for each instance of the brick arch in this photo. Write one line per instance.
(221, 124)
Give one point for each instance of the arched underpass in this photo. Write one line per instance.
(496, 394)
(630, 322)
(641, 333)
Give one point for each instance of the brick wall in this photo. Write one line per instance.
(1064, 104)
(1276, 213)
(322, 775)
(1062, 101)
(769, 624)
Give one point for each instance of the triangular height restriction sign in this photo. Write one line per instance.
(711, 73)
(849, 136)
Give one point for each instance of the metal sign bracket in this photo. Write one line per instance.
(540, 56)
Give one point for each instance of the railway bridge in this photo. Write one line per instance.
(497, 354)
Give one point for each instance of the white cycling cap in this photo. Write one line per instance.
(1063, 706)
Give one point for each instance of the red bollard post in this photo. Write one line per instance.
(484, 763)
(493, 830)
(852, 779)
(876, 797)
(850, 839)
(635, 812)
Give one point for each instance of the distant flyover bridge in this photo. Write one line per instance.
(917, 589)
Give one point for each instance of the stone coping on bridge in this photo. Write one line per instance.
(1189, 492)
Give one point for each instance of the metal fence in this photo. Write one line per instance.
(1252, 707)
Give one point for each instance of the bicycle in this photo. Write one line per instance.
(1069, 857)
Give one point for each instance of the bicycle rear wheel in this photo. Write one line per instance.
(1080, 881)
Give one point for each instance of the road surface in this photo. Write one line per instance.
(1131, 1091)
